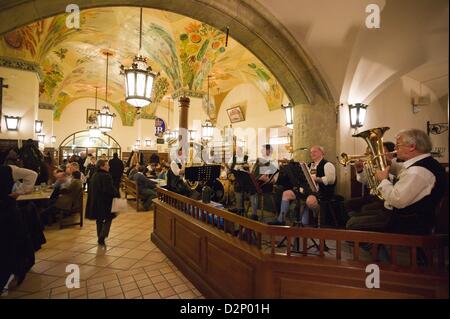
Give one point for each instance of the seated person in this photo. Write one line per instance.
(175, 182)
(419, 186)
(147, 188)
(163, 173)
(370, 212)
(324, 174)
(68, 198)
(24, 180)
(133, 170)
(75, 167)
(265, 173)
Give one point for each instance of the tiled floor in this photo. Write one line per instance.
(130, 266)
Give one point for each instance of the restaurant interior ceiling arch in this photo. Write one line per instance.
(186, 51)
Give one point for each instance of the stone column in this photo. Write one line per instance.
(315, 125)
(183, 137)
(184, 112)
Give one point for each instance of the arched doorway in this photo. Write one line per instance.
(81, 141)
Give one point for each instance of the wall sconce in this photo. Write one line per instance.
(148, 143)
(138, 143)
(357, 114)
(436, 128)
(289, 115)
(41, 138)
(38, 125)
(12, 122)
(53, 139)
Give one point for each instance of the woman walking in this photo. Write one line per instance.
(101, 192)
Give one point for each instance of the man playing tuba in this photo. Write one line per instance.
(369, 212)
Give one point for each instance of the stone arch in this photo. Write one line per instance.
(249, 23)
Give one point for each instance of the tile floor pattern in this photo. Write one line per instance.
(130, 267)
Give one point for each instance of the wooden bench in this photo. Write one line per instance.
(131, 188)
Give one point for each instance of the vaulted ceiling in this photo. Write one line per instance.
(184, 50)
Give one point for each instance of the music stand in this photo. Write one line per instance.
(300, 178)
(203, 173)
(247, 181)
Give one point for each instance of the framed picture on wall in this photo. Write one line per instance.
(235, 114)
(91, 116)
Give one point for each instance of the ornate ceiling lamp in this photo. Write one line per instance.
(139, 78)
(94, 131)
(105, 117)
(208, 127)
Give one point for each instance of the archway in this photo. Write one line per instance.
(81, 141)
(249, 23)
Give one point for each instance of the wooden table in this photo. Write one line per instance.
(35, 196)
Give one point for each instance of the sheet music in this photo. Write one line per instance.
(312, 184)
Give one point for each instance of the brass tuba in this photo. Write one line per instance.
(374, 160)
(190, 163)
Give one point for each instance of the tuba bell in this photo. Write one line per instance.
(374, 160)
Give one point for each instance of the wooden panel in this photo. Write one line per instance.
(297, 288)
(187, 243)
(233, 277)
(163, 225)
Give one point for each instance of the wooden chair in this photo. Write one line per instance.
(76, 208)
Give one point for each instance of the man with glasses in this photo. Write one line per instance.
(418, 188)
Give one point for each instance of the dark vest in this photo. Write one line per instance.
(173, 180)
(325, 191)
(418, 218)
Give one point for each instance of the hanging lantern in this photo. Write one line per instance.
(94, 131)
(207, 130)
(139, 78)
(105, 117)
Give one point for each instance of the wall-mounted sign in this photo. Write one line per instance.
(160, 127)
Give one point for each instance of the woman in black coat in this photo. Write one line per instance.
(101, 192)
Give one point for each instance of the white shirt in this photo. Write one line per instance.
(329, 171)
(267, 169)
(174, 167)
(394, 170)
(27, 175)
(414, 183)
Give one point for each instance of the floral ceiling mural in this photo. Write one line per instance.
(183, 50)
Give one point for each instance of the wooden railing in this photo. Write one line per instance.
(216, 249)
(254, 233)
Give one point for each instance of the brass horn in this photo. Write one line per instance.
(376, 160)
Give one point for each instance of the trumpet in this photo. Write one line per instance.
(345, 159)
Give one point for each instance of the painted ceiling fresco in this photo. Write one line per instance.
(183, 50)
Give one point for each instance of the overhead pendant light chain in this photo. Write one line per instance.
(140, 32)
(96, 89)
(139, 77)
(107, 69)
(105, 116)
